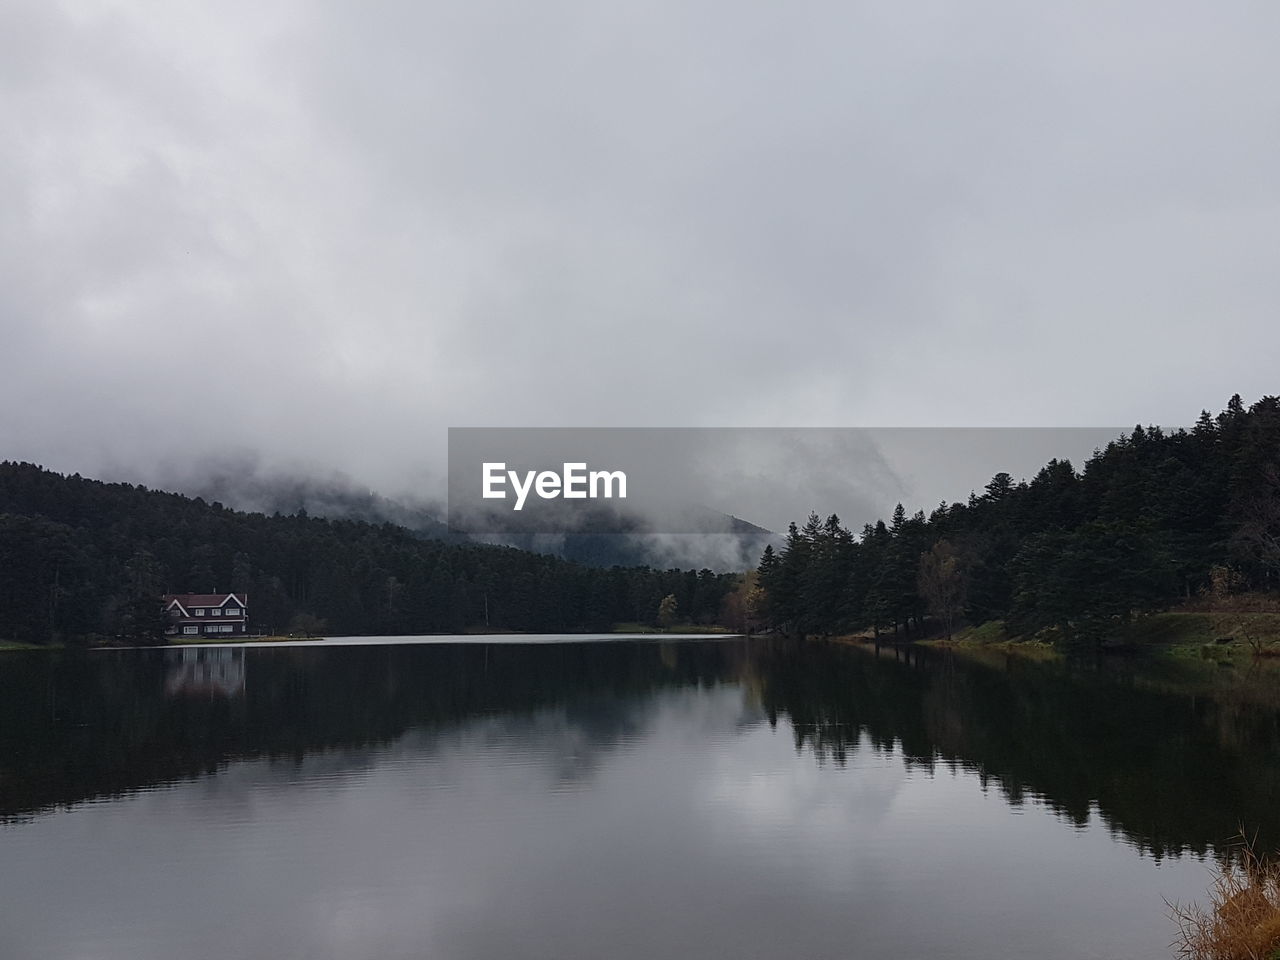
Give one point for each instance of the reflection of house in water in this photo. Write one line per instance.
(206, 672)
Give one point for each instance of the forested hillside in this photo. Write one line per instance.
(1154, 518)
(82, 560)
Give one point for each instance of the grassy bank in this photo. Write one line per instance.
(1210, 634)
(991, 637)
(1179, 633)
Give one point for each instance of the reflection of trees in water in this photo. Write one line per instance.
(1168, 765)
(75, 725)
(1171, 757)
(1240, 699)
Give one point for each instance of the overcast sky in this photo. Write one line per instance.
(324, 232)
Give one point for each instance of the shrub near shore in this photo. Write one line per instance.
(1242, 921)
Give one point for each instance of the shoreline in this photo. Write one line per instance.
(509, 636)
(1222, 636)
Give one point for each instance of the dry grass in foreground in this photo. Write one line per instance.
(1243, 918)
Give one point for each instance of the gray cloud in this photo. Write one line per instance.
(323, 233)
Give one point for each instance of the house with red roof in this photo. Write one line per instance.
(207, 614)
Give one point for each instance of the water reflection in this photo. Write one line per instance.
(628, 800)
(1173, 758)
(205, 672)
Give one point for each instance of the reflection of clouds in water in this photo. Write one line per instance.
(564, 743)
(797, 797)
(699, 832)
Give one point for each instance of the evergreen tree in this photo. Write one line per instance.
(1142, 526)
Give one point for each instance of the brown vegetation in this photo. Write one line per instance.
(1242, 921)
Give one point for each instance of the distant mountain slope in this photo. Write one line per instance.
(243, 486)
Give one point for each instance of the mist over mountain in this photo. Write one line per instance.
(242, 483)
(723, 543)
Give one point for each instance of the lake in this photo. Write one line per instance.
(494, 798)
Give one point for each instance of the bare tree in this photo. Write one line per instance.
(942, 583)
(667, 610)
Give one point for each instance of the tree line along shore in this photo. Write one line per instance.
(85, 562)
(1187, 519)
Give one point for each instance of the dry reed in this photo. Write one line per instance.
(1242, 921)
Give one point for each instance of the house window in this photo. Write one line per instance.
(198, 612)
(190, 630)
(216, 612)
(233, 611)
(227, 627)
(211, 628)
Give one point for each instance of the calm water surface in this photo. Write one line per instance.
(622, 799)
